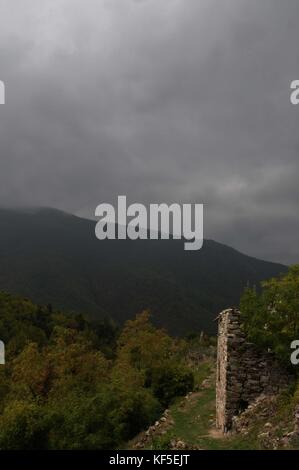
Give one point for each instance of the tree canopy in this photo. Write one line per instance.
(271, 317)
(72, 384)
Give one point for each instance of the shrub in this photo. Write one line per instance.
(172, 381)
(23, 426)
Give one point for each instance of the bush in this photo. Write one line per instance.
(23, 426)
(171, 382)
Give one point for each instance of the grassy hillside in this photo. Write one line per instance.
(191, 421)
(53, 257)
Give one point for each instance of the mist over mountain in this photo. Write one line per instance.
(54, 258)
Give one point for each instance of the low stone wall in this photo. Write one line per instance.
(243, 372)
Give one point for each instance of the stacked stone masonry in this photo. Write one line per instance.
(243, 372)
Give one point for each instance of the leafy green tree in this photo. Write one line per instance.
(157, 358)
(271, 317)
(23, 425)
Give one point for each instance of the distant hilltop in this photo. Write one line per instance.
(54, 258)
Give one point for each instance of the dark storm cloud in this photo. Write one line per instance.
(162, 101)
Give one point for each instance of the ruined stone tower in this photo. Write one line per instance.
(243, 372)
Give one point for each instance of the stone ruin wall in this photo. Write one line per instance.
(243, 373)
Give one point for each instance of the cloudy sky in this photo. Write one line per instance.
(160, 100)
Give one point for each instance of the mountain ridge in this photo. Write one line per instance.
(54, 257)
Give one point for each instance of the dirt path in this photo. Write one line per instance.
(187, 424)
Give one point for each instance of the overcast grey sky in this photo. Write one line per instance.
(161, 100)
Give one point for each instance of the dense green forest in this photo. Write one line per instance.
(72, 384)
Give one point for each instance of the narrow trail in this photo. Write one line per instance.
(189, 423)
